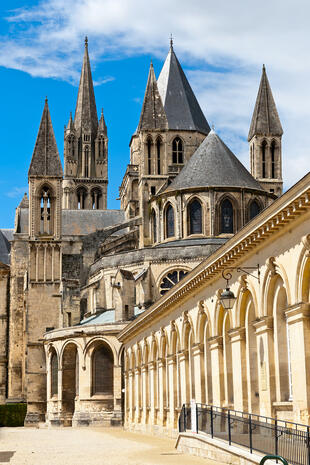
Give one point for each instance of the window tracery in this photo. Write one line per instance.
(194, 212)
(103, 364)
(177, 151)
(227, 217)
(170, 221)
(172, 278)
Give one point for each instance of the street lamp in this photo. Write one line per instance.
(227, 297)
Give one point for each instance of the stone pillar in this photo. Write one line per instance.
(238, 352)
(137, 395)
(298, 319)
(171, 362)
(266, 376)
(217, 367)
(144, 394)
(161, 391)
(126, 403)
(198, 355)
(152, 392)
(184, 375)
(130, 396)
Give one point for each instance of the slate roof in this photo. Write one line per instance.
(86, 111)
(265, 119)
(181, 106)
(213, 164)
(45, 159)
(153, 114)
(106, 317)
(82, 222)
(5, 248)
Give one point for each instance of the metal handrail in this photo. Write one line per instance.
(270, 457)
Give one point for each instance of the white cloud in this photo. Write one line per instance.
(232, 39)
(17, 192)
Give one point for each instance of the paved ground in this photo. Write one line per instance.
(88, 446)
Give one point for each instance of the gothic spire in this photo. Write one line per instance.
(102, 126)
(153, 114)
(180, 104)
(85, 111)
(45, 159)
(70, 125)
(265, 119)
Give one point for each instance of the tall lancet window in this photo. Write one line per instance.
(154, 226)
(169, 221)
(101, 147)
(273, 160)
(194, 214)
(54, 375)
(254, 209)
(177, 151)
(227, 217)
(87, 160)
(264, 147)
(158, 144)
(149, 155)
(45, 224)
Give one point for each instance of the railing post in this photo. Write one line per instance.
(212, 422)
(229, 431)
(308, 443)
(250, 433)
(276, 437)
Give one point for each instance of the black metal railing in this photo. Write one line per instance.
(255, 432)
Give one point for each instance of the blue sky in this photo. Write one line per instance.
(221, 47)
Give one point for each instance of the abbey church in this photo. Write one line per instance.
(95, 310)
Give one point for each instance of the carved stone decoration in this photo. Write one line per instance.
(271, 265)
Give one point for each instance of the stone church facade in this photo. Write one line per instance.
(75, 274)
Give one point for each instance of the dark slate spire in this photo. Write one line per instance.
(153, 114)
(45, 159)
(85, 111)
(265, 119)
(180, 104)
(213, 165)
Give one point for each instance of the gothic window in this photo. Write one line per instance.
(87, 173)
(227, 217)
(154, 226)
(169, 221)
(81, 198)
(264, 146)
(95, 199)
(254, 209)
(177, 151)
(273, 149)
(170, 280)
(45, 223)
(158, 144)
(194, 214)
(103, 364)
(54, 375)
(101, 147)
(71, 146)
(149, 156)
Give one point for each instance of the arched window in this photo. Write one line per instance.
(264, 146)
(227, 217)
(45, 224)
(158, 144)
(149, 155)
(54, 375)
(194, 214)
(177, 151)
(87, 171)
(95, 199)
(254, 209)
(81, 198)
(169, 221)
(103, 364)
(172, 278)
(101, 147)
(273, 150)
(154, 226)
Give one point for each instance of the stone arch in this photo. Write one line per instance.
(302, 283)
(70, 378)
(53, 363)
(81, 197)
(96, 195)
(202, 320)
(178, 150)
(194, 216)
(69, 341)
(275, 270)
(88, 349)
(169, 221)
(220, 214)
(250, 214)
(169, 278)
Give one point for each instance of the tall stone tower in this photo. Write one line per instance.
(171, 127)
(264, 137)
(85, 150)
(35, 286)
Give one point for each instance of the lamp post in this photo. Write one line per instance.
(227, 297)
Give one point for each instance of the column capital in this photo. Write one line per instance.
(297, 312)
(263, 324)
(198, 349)
(215, 342)
(171, 359)
(237, 334)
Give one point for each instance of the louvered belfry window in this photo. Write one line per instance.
(54, 375)
(195, 217)
(170, 221)
(227, 217)
(103, 365)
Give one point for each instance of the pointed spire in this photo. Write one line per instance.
(153, 114)
(24, 203)
(45, 159)
(86, 111)
(265, 119)
(102, 126)
(180, 104)
(70, 125)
